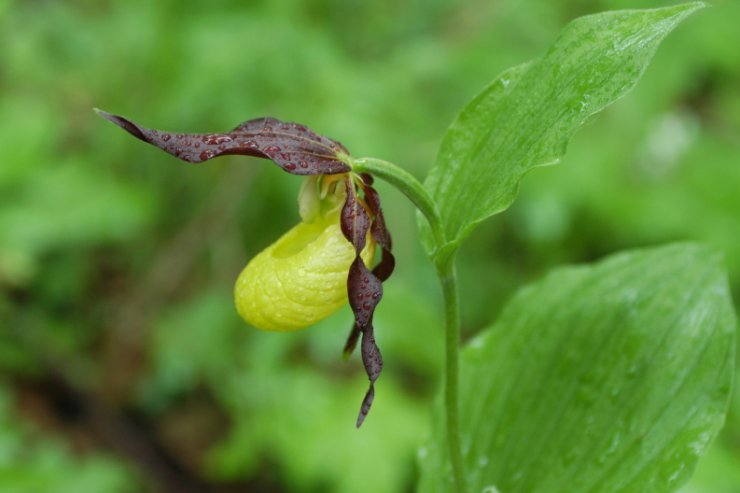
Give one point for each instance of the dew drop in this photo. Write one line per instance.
(166, 137)
(366, 306)
(290, 166)
(180, 136)
(215, 139)
(206, 155)
(272, 149)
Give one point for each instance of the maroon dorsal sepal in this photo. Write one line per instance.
(292, 146)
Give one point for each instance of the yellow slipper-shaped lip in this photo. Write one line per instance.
(300, 279)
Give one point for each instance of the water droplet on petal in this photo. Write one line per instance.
(215, 139)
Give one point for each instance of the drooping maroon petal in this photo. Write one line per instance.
(354, 219)
(373, 361)
(351, 343)
(292, 146)
(364, 290)
(380, 232)
(381, 235)
(371, 357)
(365, 407)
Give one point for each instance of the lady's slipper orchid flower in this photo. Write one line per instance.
(327, 258)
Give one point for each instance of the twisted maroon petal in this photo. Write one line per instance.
(364, 290)
(380, 234)
(292, 146)
(351, 343)
(354, 220)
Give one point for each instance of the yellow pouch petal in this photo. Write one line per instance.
(298, 280)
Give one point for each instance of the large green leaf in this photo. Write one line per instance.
(606, 378)
(525, 118)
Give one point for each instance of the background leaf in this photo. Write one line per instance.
(525, 118)
(611, 378)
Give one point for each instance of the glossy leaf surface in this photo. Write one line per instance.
(525, 118)
(607, 378)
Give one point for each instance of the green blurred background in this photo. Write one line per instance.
(123, 365)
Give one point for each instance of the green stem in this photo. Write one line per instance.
(448, 277)
(445, 264)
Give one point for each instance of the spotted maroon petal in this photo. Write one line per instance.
(373, 361)
(354, 219)
(354, 336)
(364, 290)
(381, 235)
(292, 146)
(366, 403)
(371, 357)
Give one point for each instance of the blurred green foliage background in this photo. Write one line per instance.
(123, 364)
